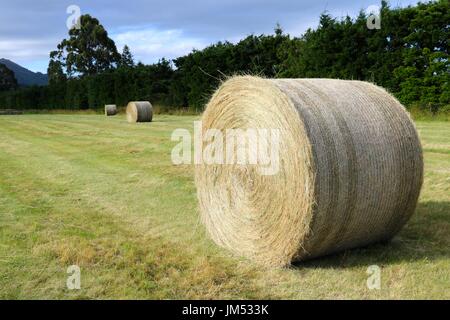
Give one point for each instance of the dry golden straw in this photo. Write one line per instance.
(350, 173)
(139, 111)
(110, 110)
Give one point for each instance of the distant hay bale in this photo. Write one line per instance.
(10, 112)
(350, 169)
(110, 110)
(139, 111)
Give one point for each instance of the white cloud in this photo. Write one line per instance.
(29, 30)
(20, 49)
(149, 44)
(30, 53)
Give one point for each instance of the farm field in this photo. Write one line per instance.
(103, 194)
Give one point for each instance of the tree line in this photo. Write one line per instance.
(408, 56)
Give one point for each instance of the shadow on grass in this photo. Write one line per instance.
(157, 120)
(425, 237)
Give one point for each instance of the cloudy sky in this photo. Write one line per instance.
(29, 29)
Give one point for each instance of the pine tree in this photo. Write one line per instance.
(7, 79)
(55, 72)
(126, 58)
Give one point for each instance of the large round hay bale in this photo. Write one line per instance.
(139, 111)
(110, 110)
(350, 169)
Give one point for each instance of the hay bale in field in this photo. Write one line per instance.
(110, 110)
(10, 112)
(350, 169)
(139, 111)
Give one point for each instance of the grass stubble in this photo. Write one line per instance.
(99, 193)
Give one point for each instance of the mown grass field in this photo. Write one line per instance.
(102, 194)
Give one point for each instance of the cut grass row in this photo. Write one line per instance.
(103, 194)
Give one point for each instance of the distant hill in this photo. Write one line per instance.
(24, 76)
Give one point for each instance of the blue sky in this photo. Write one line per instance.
(153, 29)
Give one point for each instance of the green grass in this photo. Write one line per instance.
(103, 194)
(422, 114)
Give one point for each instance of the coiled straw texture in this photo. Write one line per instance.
(139, 111)
(350, 174)
(110, 110)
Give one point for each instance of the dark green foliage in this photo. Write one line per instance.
(55, 72)
(118, 86)
(88, 50)
(424, 74)
(7, 79)
(199, 73)
(408, 56)
(126, 58)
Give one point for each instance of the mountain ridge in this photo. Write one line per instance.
(24, 76)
